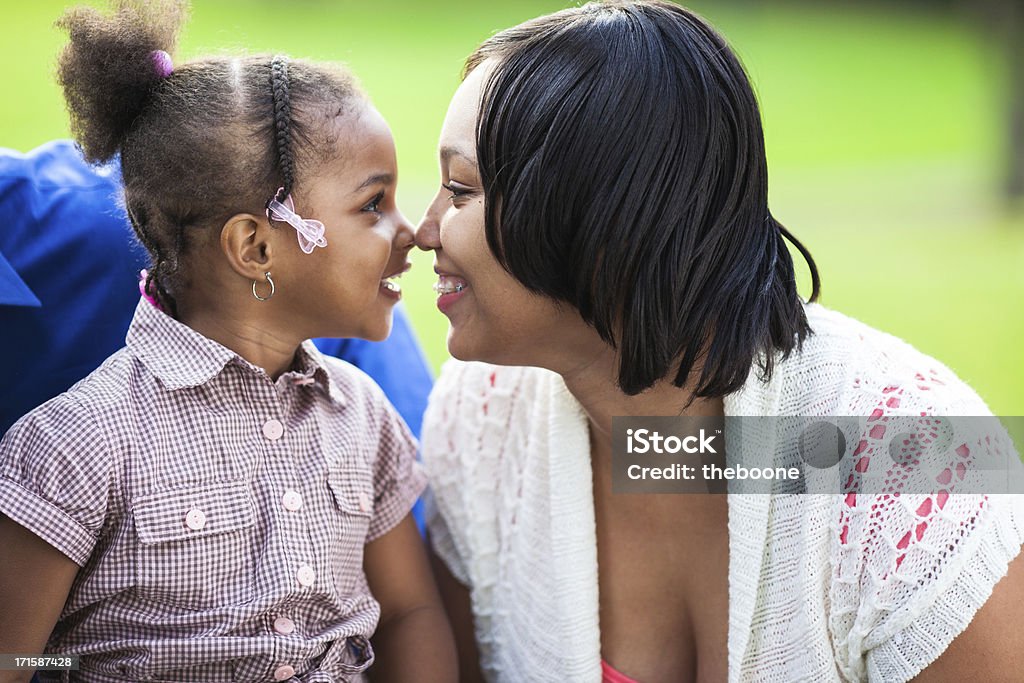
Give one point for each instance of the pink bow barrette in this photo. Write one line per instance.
(310, 232)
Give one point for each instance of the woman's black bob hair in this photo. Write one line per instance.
(623, 166)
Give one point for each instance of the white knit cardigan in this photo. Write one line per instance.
(821, 587)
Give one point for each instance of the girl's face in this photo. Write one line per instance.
(493, 317)
(346, 288)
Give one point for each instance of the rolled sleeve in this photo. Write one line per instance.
(398, 479)
(55, 474)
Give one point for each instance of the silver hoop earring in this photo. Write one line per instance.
(272, 289)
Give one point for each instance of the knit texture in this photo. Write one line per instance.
(843, 587)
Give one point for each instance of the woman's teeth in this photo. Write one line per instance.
(447, 284)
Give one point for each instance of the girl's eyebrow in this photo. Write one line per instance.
(375, 179)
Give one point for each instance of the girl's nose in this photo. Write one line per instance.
(405, 235)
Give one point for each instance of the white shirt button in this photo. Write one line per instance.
(364, 502)
(292, 500)
(195, 519)
(284, 625)
(272, 429)
(283, 672)
(306, 575)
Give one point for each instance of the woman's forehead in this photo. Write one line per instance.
(459, 130)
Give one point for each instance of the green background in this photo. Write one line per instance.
(884, 131)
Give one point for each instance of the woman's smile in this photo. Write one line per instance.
(450, 288)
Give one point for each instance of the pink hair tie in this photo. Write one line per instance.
(162, 64)
(143, 275)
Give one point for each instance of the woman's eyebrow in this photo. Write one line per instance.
(375, 179)
(448, 152)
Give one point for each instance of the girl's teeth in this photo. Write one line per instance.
(392, 284)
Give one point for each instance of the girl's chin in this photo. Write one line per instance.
(378, 330)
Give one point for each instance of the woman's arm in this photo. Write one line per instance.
(460, 613)
(992, 647)
(35, 579)
(413, 641)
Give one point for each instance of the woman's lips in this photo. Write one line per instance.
(450, 288)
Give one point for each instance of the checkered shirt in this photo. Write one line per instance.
(219, 516)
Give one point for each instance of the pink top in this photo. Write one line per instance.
(610, 675)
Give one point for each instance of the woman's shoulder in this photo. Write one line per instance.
(846, 367)
(471, 380)
(470, 397)
(482, 425)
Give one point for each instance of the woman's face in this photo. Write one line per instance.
(493, 317)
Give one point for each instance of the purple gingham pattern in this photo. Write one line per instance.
(219, 516)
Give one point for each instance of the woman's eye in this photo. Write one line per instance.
(373, 206)
(455, 191)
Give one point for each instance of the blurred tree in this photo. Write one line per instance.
(1005, 20)
(1014, 28)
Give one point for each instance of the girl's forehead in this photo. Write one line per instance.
(360, 147)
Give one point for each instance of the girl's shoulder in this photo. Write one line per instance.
(100, 397)
(350, 384)
(60, 464)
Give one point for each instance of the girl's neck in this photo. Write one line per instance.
(255, 342)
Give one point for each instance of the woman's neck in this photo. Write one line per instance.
(592, 381)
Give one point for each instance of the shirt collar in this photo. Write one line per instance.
(180, 357)
(311, 367)
(13, 290)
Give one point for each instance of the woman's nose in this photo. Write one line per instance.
(428, 232)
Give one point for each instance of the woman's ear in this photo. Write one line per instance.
(246, 242)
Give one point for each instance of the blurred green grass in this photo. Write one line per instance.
(882, 125)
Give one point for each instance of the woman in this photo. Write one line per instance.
(604, 219)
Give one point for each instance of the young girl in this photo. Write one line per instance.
(218, 501)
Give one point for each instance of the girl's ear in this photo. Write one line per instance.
(246, 241)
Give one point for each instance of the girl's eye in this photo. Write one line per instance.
(373, 206)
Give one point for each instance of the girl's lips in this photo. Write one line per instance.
(390, 289)
(389, 283)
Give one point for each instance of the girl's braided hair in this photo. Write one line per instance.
(216, 137)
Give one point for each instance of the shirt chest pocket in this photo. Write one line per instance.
(197, 547)
(352, 491)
